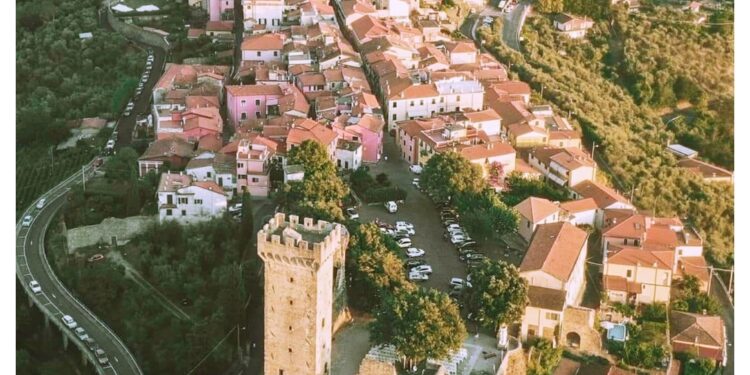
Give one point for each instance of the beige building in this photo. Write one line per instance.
(638, 276)
(554, 266)
(299, 261)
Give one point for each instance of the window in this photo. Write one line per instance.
(442, 99)
(552, 316)
(458, 98)
(240, 165)
(243, 102)
(291, 303)
(257, 101)
(255, 179)
(394, 117)
(625, 241)
(184, 213)
(281, 372)
(291, 279)
(169, 212)
(242, 176)
(258, 53)
(198, 201)
(433, 100)
(243, 116)
(257, 114)
(630, 273)
(275, 53)
(290, 350)
(637, 242)
(323, 323)
(411, 103)
(290, 328)
(421, 102)
(182, 200)
(395, 104)
(528, 224)
(458, 108)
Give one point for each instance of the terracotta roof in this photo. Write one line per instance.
(512, 88)
(174, 146)
(523, 167)
(705, 330)
(186, 74)
(460, 47)
(695, 266)
(536, 209)
(209, 185)
(253, 90)
(427, 90)
(621, 284)
(512, 112)
(195, 33)
(480, 116)
(554, 249)
(173, 181)
(570, 158)
(219, 26)
(581, 205)
(312, 79)
(603, 195)
(205, 118)
(212, 143)
(307, 129)
(371, 123)
(630, 256)
(703, 169)
(487, 150)
(546, 298)
(263, 42)
(368, 27)
(201, 101)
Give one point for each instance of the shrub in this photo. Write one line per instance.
(384, 194)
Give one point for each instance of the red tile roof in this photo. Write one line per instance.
(581, 205)
(536, 209)
(263, 42)
(554, 249)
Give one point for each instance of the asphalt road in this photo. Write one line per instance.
(513, 24)
(55, 300)
(727, 314)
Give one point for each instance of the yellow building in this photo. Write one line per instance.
(639, 276)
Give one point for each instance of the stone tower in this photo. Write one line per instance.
(299, 260)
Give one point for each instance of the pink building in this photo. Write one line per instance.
(367, 130)
(252, 168)
(217, 8)
(252, 102)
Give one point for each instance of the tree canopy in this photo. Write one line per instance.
(420, 323)
(498, 294)
(449, 173)
(484, 214)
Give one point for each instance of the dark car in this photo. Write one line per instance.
(413, 263)
(466, 244)
(466, 251)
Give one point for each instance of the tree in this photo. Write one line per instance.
(543, 358)
(420, 323)
(520, 188)
(120, 166)
(320, 194)
(484, 214)
(133, 202)
(549, 6)
(448, 173)
(246, 225)
(498, 294)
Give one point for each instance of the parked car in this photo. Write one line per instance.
(457, 281)
(41, 203)
(418, 276)
(453, 226)
(403, 243)
(81, 333)
(416, 169)
(423, 269)
(413, 252)
(91, 344)
(405, 229)
(26, 221)
(96, 258)
(457, 239)
(472, 256)
(474, 263)
(415, 182)
(411, 263)
(391, 207)
(387, 231)
(69, 321)
(235, 208)
(101, 357)
(35, 287)
(352, 212)
(404, 224)
(466, 251)
(466, 244)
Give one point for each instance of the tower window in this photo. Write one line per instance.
(291, 279)
(291, 302)
(290, 350)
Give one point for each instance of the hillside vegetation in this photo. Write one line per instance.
(631, 136)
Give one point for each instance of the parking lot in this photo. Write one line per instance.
(419, 210)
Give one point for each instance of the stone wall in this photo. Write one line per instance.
(123, 229)
(580, 321)
(136, 33)
(373, 367)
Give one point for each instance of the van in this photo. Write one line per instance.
(391, 206)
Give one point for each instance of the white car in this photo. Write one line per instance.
(26, 221)
(353, 214)
(418, 276)
(391, 206)
(386, 231)
(69, 321)
(81, 333)
(415, 182)
(101, 357)
(408, 229)
(453, 226)
(457, 281)
(235, 208)
(404, 243)
(41, 203)
(416, 169)
(413, 252)
(457, 239)
(35, 287)
(422, 269)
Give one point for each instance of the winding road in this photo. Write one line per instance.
(55, 300)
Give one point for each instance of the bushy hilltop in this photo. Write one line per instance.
(579, 77)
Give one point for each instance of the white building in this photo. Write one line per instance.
(187, 201)
(348, 154)
(268, 13)
(533, 212)
(427, 100)
(219, 168)
(566, 167)
(264, 47)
